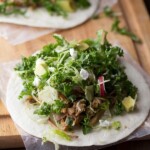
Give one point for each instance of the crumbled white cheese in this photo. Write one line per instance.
(73, 53)
(40, 67)
(84, 74)
(51, 69)
(104, 123)
(36, 81)
(40, 61)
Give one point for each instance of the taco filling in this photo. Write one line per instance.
(57, 7)
(74, 84)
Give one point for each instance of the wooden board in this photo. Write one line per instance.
(139, 22)
(9, 137)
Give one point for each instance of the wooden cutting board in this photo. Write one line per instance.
(134, 16)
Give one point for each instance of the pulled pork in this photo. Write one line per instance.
(73, 114)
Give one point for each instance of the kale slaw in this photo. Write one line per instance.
(54, 7)
(87, 75)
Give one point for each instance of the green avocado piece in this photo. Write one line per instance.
(128, 103)
(67, 5)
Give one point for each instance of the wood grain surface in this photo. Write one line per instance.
(132, 18)
(138, 20)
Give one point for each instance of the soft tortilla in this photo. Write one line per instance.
(41, 18)
(130, 121)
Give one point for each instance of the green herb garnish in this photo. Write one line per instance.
(62, 134)
(115, 26)
(109, 12)
(83, 3)
(105, 105)
(72, 71)
(116, 125)
(86, 127)
(57, 7)
(46, 109)
(124, 31)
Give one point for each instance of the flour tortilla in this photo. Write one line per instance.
(41, 18)
(130, 121)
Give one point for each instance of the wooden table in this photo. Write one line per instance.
(134, 145)
(134, 16)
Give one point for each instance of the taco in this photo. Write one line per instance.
(78, 93)
(47, 13)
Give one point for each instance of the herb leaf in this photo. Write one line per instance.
(83, 3)
(46, 109)
(116, 125)
(86, 127)
(11, 7)
(115, 26)
(62, 134)
(57, 106)
(109, 12)
(124, 31)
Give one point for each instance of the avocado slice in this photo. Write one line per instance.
(83, 46)
(66, 5)
(40, 68)
(128, 103)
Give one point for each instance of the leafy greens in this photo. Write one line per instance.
(56, 7)
(73, 68)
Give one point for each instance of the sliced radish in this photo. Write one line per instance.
(102, 85)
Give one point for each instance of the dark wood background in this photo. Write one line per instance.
(133, 145)
(147, 4)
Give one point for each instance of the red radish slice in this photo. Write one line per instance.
(101, 85)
